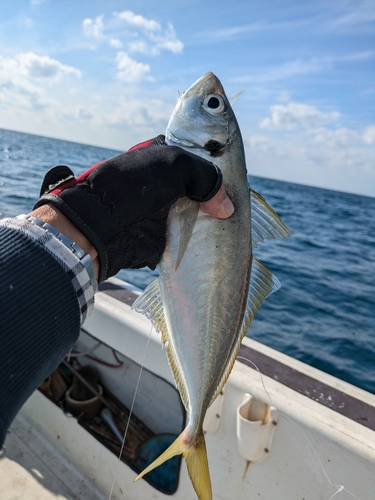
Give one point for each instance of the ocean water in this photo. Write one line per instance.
(324, 314)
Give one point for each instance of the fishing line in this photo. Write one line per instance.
(130, 415)
(339, 487)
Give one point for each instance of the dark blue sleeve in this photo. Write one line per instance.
(39, 320)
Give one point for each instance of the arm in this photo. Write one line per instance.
(39, 320)
(50, 214)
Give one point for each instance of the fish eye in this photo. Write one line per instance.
(214, 104)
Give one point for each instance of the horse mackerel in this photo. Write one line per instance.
(204, 299)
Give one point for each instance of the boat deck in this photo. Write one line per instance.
(31, 468)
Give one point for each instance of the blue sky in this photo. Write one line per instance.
(108, 74)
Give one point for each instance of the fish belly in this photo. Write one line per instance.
(204, 301)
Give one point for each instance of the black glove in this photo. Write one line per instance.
(121, 205)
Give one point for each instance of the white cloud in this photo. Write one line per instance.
(27, 22)
(311, 148)
(23, 79)
(305, 122)
(284, 96)
(344, 137)
(133, 32)
(36, 66)
(295, 115)
(93, 28)
(234, 31)
(259, 143)
(246, 30)
(139, 21)
(341, 137)
(139, 35)
(284, 71)
(27, 67)
(83, 114)
(150, 37)
(138, 46)
(115, 43)
(339, 161)
(362, 13)
(368, 135)
(150, 115)
(130, 70)
(291, 69)
(169, 40)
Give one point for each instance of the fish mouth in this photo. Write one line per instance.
(171, 139)
(214, 148)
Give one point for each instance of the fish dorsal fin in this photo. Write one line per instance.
(262, 284)
(150, 304)
(187, 212)
(265, 223)
(235, 97)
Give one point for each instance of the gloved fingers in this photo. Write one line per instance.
(54, 177)
(201, 178)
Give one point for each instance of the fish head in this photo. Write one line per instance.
(203, 120)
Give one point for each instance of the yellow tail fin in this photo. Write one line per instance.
(195, 454)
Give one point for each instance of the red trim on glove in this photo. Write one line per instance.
(74, 182)
(83, 176)
(141, 145)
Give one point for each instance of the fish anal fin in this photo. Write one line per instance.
(187, 213)
(150, 304)
(178, 376)
(265, 223)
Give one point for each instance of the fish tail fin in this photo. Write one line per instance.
(197, 464)
(195, 454)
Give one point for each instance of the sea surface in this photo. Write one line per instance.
(324, 314)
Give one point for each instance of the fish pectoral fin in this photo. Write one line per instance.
(187, 212)
(195, 454)
(265, 223)
(150, 304)
(262, 284)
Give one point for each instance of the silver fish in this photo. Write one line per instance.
(210, 284)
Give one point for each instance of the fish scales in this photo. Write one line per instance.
(204, 299)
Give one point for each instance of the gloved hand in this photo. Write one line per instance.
(121, 204)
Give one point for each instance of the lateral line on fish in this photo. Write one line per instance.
(130, 415)
(339, 487)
